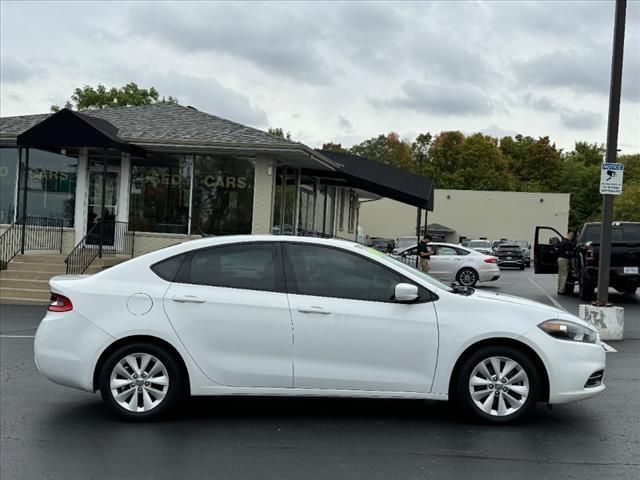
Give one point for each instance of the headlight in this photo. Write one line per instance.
(566, 330)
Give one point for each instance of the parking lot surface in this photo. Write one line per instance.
(52, 432)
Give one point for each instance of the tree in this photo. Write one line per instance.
(334, 147)
(627, 205)
(130, 95)
(445, 160)
(420, 152)
(389, 149)
(278, 132)
(536, 164)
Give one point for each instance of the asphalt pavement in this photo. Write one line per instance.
(52, 432)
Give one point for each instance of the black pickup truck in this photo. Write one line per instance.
(624, 275)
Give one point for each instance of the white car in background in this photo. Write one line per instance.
(482, 246)
(456, 263)
(218, 316)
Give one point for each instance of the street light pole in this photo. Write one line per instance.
(612, 148)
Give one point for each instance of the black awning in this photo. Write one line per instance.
(383, 180)
(67, 128)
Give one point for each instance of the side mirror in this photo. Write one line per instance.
(554, 241)
(405, 292)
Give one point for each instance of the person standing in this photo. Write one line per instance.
(424, 252)
(566, 252)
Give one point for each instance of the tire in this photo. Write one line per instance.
(467, 277)
(630, 290)
(529, 264)
(586, 288)
(522, 267)
(484, 403)
(155, 395)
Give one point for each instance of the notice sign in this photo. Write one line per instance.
(611, 178)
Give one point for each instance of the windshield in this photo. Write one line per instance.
(624, 232)
(522, 243)
(372, 252)
(479, 244)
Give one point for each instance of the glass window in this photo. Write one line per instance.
(8, 184)
(329, 272)
(167, 269)
(160, 193)
(223, 194)
(353, 206)
(341, 201)
(284, 201)
(248, 266)
(446, 251)
(51, 184)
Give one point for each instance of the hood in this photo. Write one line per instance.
(547, 310)
(513, 300)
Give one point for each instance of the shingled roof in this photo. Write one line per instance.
(161, 123)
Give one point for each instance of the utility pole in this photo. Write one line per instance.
(612, 149)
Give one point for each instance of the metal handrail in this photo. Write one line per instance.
(40, 233)
(105, 238)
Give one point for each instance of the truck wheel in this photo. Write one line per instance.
(568, 288)
(629, 290)
(586, 288)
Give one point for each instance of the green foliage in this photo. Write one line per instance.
(536, 164)
(89, 97)
(278, 132)
(627, 205)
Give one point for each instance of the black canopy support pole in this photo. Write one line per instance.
(25, 185)
(418, 223)
(612, 149)
(103, 208)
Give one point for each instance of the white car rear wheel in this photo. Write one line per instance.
(467, 277)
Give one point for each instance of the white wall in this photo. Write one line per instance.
(474, 214)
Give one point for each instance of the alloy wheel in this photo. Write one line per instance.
(139, 382)
(467, 278)
(499, 386)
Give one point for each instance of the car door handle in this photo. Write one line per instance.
(313, 309)
(188, 299)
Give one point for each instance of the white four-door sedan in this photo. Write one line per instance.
(266, 315)
(456, 263)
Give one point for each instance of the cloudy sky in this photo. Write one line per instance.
(337, 71)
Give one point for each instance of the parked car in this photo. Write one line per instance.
(526, 250)
(482, 246)
(624, 273)
(402, 243)
(382, 244)
(456, 263)
(217, 316)
(510, 255)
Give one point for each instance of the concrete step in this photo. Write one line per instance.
(40, 259)
(22, 301)
(25, 293)
(24, 283)
(53, 268)
(26, 275)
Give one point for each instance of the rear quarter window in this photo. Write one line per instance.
(168, 269)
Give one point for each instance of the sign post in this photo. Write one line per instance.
(612, 152)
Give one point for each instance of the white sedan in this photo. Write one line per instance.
(267, 315)
(454, 262)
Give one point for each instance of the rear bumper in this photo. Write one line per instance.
(616, 277)
(511, 263)
(66, 346)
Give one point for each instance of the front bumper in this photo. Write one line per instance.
(569, 367)
(66, 348)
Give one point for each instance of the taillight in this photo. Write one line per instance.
(491, 260)
(591, 257)
(59, 303)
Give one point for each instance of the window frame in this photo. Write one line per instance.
(183, 275)
(424, 294)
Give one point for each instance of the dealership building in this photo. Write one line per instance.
(126, 181)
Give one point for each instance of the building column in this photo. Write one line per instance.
(263, 195)
(82, 197)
